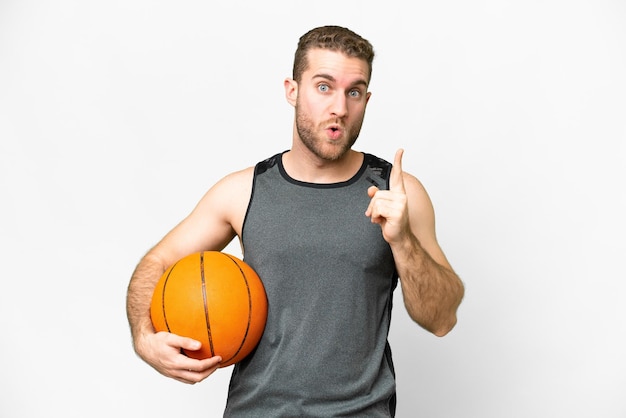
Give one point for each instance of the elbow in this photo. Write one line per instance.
(440, 317)
(439, 327)
(443, 329)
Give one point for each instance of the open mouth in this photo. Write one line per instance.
(334, 131)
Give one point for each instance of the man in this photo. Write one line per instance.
(329, 230)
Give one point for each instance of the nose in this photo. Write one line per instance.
(339, 105)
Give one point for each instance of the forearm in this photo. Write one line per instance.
(432, 292)
(139, 296)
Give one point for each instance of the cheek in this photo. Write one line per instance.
(312, 111)
(357, 112)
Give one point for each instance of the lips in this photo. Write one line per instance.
(334, 131)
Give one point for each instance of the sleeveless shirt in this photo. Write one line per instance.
(329, 277)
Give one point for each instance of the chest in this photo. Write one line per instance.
(327, 222)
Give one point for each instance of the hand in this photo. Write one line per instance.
(388, 208)
(162, 351)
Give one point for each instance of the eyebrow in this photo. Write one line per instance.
(359, 82)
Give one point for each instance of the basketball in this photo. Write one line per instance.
(215, 298)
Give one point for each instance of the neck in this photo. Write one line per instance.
(302, 165)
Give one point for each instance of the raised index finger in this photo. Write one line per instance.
(397, 178)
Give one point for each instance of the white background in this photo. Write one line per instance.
(116, 116)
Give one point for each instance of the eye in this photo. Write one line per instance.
(323, 88)
(354, 93)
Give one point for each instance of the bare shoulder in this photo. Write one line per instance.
(230, 187)
(228, 199)
(236, 182)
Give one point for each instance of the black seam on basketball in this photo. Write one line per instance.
(206, 305)
(167, 325)
(245, 279)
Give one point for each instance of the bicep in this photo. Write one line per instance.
(422, 219)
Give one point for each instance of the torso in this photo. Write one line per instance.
(329, 277)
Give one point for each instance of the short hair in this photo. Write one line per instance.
(334, 38)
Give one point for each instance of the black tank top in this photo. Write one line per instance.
(329, 277)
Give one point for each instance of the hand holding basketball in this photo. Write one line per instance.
(215, 299)
(162, 351)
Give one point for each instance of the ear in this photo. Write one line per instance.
(291, 91)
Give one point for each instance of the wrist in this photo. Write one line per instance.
(406, 244)
(140, 335)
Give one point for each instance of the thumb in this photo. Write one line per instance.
(190, 344)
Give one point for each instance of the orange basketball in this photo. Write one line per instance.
(214, 298)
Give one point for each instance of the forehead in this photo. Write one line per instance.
(324, 62)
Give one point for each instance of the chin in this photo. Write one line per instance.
(326, 149)
(333, 153)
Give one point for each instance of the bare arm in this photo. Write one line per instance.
(432, 291)
(213, 223)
